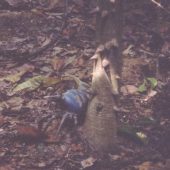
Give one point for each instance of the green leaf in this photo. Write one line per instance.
(34, 83)
(153, 82)
(29, 85)
(142, 88)
(129, 131)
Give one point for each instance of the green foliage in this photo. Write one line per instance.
(153, 82)
(130, 132)
(142, 88)
(148, 83)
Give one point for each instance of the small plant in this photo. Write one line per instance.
(149, 83)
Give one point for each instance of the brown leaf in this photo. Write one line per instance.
(49, 81)
(41, 165)
(151, 166)
(80, 62)
(2, 120)
(29, 132)
(13, 104)
(129, 89)
(53, 139)
(150, 94)
(57, 64)
(77, 147)
(6, 167)
(53, 4)
(70, 60)
(34, 103)
(145, 166)
(16, 75)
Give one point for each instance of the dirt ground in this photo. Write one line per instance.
(38, 45)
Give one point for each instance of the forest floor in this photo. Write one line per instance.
(38, 46)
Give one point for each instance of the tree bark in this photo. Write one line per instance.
(100, 127)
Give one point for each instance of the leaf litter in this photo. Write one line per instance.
(28, 134)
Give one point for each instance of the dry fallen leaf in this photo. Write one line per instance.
(53, 139)
(13, 104)
(77, 147)
(115, 157)
(53, 4)
(17, 74)
(151, 94)
(144, 166)
(128, 51)
(49, 81)
(88, 162)
(57, 63)
(29, 85)
(41, 165)
(6, 167)
(57, 50)
(128, 89)
(79, 62)
(29, 132)
(2, 120)
(34, 103)
(70, 60)
(151, 166)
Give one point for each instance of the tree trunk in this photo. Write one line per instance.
(100, 124)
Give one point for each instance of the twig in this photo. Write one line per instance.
(160, 6)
